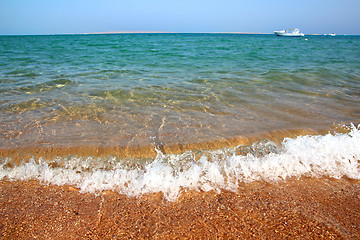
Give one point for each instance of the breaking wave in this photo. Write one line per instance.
(332, 155)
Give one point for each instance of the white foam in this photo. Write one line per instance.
(334, 156)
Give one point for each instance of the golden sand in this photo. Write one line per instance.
(297, 209)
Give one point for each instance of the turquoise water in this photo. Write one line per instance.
(143, 93)
(172, 88)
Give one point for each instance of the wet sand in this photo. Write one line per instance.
(297, 209)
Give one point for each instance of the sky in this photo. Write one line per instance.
(18, 17)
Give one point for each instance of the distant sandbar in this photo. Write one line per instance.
(120, 32)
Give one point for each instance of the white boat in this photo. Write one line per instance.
(294, 32)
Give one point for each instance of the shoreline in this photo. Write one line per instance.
(305, 208)
(147, 149)
(330, 155)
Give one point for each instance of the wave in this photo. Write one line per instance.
(331, 155)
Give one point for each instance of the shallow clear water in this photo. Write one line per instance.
(118, 89)
(158, 90)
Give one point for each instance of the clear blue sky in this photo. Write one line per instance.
(84, 16)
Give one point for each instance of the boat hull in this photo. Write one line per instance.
(295, 32)
(280, 34)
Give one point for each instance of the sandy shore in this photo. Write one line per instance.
(297, 209)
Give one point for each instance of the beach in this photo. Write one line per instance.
(297, 209)
(169, 135)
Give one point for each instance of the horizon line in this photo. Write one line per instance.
(158, 32)
(122, 32)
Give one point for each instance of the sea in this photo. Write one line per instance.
(170, 112)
